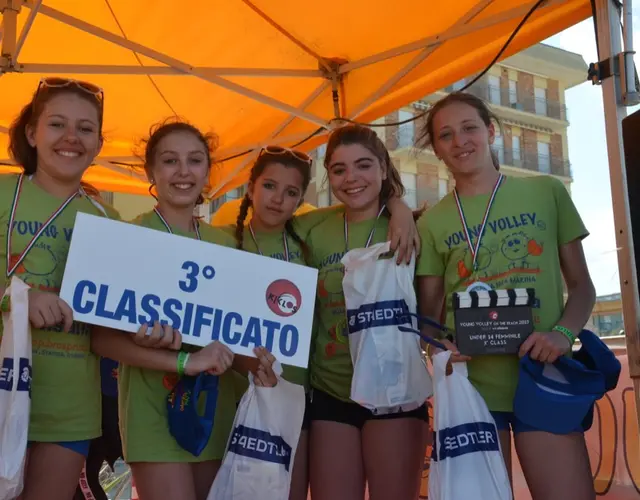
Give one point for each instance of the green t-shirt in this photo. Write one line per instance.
(65, 397)
(530, 219)
(142, 393)
(331, 367)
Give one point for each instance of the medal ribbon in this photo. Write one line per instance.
(196, 225)
(14, 208)
(474, 249)
(373, 230)
(284, 242)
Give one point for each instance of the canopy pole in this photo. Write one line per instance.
(9, 10)
(610, 45)
(630, 95)
(26, 28)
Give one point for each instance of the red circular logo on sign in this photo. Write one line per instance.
(493, 315)
(283, 298)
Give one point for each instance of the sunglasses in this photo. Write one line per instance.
(58, 83)
(277, 150)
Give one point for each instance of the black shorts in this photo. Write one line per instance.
(326, 407)
(306, 421)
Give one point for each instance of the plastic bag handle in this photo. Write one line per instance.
(426, 338)
(440, 361)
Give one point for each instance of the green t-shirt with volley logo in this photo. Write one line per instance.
(65, 397)
(331, 367)
(143, 393)
(529, 220)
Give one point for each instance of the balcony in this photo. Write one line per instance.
(537, 163)
(502, 97)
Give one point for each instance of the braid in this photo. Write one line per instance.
(242, 215)
(288, 227)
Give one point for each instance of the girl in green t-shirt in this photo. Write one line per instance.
(496, 232)
(54, 140)
(350, 446)
(277, 183)
(177, 161)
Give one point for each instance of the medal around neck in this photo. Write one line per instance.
(493, 321)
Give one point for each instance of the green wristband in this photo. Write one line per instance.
(183, 357)
(566, 332)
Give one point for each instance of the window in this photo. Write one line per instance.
(411, 193)
(494, 89)
(541, 101)
(513, 92)
(322, 150)
(515, 149)
(544, 162)
(498, 148)
(405, 131)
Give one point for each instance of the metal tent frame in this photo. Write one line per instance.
(618, 92)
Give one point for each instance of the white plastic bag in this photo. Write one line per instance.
(262, 446)
(389, 370)
(466, 461)
(15, 390)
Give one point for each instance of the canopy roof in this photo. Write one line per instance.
(254, 72)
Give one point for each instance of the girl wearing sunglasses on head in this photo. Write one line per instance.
(177, 161)
(54, 140)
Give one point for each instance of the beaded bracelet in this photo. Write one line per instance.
(183, 357)
(566, 332)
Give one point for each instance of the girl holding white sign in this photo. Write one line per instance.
(177, 161)
(277, 183)
(351, 446)
(497, 232)
(54, 140)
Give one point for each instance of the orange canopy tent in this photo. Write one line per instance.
(253, 71)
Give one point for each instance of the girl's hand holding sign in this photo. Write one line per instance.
(160, 337)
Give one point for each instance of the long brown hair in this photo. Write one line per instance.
(26, 155)
(364, 136)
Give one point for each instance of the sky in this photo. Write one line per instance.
(591, 189)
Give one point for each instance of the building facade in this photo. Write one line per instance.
(606, 319)
(527, 93)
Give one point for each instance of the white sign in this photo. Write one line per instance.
(121, 275)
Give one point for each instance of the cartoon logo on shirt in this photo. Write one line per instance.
(283, 298)
(517, 247)
(330, 288)
(170, 380)
(41, 265)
